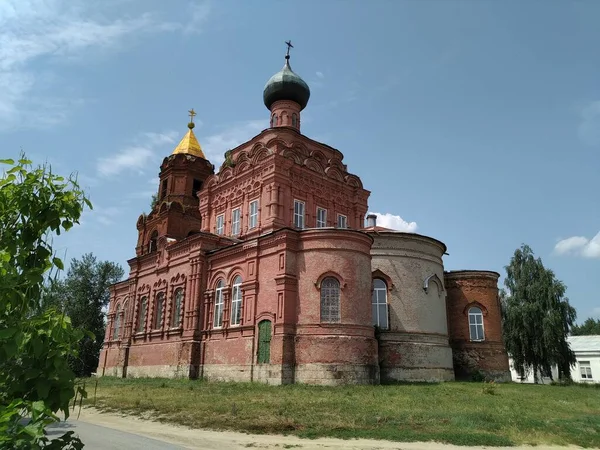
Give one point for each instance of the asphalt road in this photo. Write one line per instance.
(97, 437)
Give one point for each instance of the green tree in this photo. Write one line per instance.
(589, 327)
(153, 202)
(537, 317)
(82, 295)
(36, 381)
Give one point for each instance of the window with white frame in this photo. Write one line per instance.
(218, 317)
(330, 300)
(379, 304)
(253, 219)
(235, 222)
(298, 214)
(321, 217)
(585, 370)
(342, 221)
(236, 301)
(476, 324)
(220, 224)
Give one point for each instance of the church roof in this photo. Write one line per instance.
(377, 228)
(286, 85)
(189, 144)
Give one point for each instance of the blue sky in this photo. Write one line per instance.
(474, 122)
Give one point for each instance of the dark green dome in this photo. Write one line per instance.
(286, 85)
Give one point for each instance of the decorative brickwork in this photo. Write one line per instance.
(264, 272)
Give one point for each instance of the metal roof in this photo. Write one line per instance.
(584, 343)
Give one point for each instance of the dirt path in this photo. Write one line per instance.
(221, 440)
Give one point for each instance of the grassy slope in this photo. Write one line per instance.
(458, 413)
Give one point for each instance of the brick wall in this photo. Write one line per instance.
(466, 289)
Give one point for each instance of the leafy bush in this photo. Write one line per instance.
(36, 381)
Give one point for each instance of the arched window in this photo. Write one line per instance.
(142, 314)
(152, 243)
(294, 120)
(330, 300)
(274, 120)
(158, 310)
(176, 311)
(476, 324)
(117, 323)
(236, 301)
(218, 319)
(125, 311)
(379, 304)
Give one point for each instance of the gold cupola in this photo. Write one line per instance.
(189, 144)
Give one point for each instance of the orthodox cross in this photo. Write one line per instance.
(192, 114)
(289, 45)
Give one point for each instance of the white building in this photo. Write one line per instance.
(585, 370)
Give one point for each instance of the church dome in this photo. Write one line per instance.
(286, 85)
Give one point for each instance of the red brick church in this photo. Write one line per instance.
(265, 271)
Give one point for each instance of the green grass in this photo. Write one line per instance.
(456, 413)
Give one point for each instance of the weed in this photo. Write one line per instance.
(489, 388)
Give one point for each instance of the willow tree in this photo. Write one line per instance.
(537, 317)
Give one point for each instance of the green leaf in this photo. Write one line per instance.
(7, 333)
(7, 161)
(58, 263)
(42, 387)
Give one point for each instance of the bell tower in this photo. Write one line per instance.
(175, 214)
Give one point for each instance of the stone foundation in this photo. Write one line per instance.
(274, 374)
(487, 359)
(162, 371)
(415, 357)
(416, 374)
(226, 372)
(337, 374)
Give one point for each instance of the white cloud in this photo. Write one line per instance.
(394, 222)
(102, 215)
(579, 246)
(149, 148)
(589, 128)
(61, 30)
(320, 75)
(146, 149)
(199, 12)
(217, 144)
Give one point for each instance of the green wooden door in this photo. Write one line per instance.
(264, 342)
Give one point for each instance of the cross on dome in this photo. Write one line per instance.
(192, 113)
(289, 45)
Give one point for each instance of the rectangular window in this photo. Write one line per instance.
(163, 190)
(220, 224)
(476, 326)
(218, 317)
(253, 220)
(196, 186)
(342, 221)
(158, 310)
(585, 370)
(321, 217)
(298, 214)
(235, 222)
